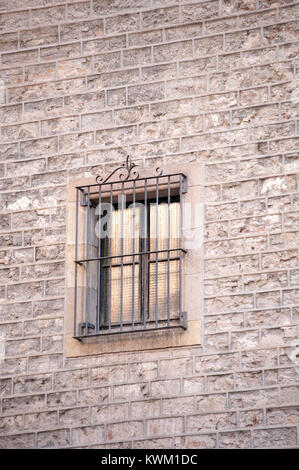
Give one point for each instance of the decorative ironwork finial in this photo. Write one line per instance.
(127, 171)
(128, 167)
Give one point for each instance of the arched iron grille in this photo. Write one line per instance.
(128, 253)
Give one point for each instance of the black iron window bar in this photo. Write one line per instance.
(132, 282)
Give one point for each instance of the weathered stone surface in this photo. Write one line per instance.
(33, 384)
(211, 403)
(88, 435)
(211, 422)
(45, 362)
(74, 416)
(40, 420)
(94, 396)
(85, 84)
(124, 430)
(274, 437)
(53, 439)
(21, 404)
(49, 15)
(205, 441)
(200, 11)
(170, 406)
(251, 418)
(107, 413)
(75, 379)
(18, 441)
(11, 424)
(235, 440)
(164, 16)
(123, 23)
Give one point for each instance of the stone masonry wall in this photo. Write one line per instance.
(169, 81)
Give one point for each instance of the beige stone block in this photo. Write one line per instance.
(145, 93)
(46, 16)
(39, 36)
(164, 426)
(102, 44)
(123, 23)
(163, 16)
(184, 31)
(9, 41)
(14, 20)
(109, 61)
(146, 38)
(135, 57)
(200, 11)
(173, 51)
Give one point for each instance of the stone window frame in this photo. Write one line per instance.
(192, 277)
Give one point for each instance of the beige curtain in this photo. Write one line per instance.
(121, 286)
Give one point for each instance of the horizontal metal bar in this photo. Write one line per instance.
(131, 254)
(135, 330)
(150, 261)
(82, 326)
(150, 322)
(131, 180)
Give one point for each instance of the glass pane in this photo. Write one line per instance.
(162, 278)
(123, 227)
(117, 278)
(158, 291)
(163, 220)
(130, 299)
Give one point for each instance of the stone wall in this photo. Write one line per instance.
(169, 81)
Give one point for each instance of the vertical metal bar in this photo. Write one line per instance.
(145, 260)
(133, 261)
(110, 252)
(168, 255)
(181, 234)
(157, 247)
(76, 264)
(87, 263)
(98, 319)
(122, 251)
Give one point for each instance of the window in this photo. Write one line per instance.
(129, 289)
(133, 254)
